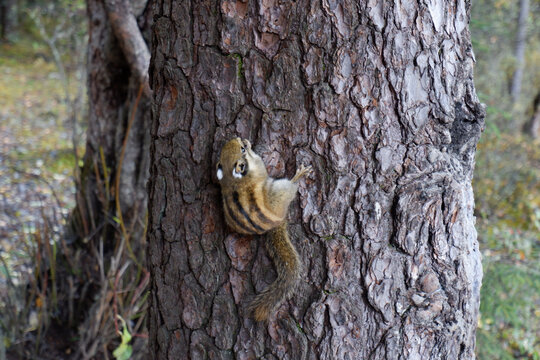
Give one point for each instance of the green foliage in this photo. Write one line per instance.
(507, 189)
(513, 289)
(493, 28)
(507, 186)
(124, 350)
(507, 180)
(509, 324)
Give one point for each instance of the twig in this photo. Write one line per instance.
(128, 34)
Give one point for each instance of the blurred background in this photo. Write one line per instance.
(43, 109)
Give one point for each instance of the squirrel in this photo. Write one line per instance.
(255, 203)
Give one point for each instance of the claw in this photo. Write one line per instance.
(302, 171)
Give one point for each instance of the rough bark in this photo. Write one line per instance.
(378, 97)
(521, 38)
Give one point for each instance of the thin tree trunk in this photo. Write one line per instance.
(5, 6)
(520, 49)
(378, 97)
(532, 126)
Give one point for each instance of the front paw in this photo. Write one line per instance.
(302, 171)
(247, 144)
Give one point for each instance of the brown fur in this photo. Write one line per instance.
(288, 265)
(254, 203)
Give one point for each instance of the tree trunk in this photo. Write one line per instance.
(378, 97)
(521, 38)
(5, 9)
(110, 211)
(532, 126)
(113, 89)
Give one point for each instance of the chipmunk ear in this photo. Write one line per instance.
(219, 173)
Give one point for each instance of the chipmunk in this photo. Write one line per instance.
(255, 203)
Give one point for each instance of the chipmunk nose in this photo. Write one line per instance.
(241, 167)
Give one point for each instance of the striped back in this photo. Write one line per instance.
(247, 213)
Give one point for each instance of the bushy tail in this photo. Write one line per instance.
(287, 265)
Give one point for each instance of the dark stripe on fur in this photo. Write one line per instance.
(230, 213)
(236, 199)
(253, 207)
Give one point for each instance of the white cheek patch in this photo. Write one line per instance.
(236, 175)
(219, 174)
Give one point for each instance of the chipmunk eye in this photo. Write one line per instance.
(243, 149)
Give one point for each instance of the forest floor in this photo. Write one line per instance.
(36, 161)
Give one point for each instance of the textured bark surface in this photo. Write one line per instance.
(113, 88)
(378, 97)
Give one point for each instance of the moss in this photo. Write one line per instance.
(239, 65)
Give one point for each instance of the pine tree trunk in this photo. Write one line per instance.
(378, 97)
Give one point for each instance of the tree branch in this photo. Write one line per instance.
(131, 41)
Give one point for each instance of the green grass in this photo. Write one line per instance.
(32, 109)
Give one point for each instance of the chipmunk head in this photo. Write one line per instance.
(238, 161)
